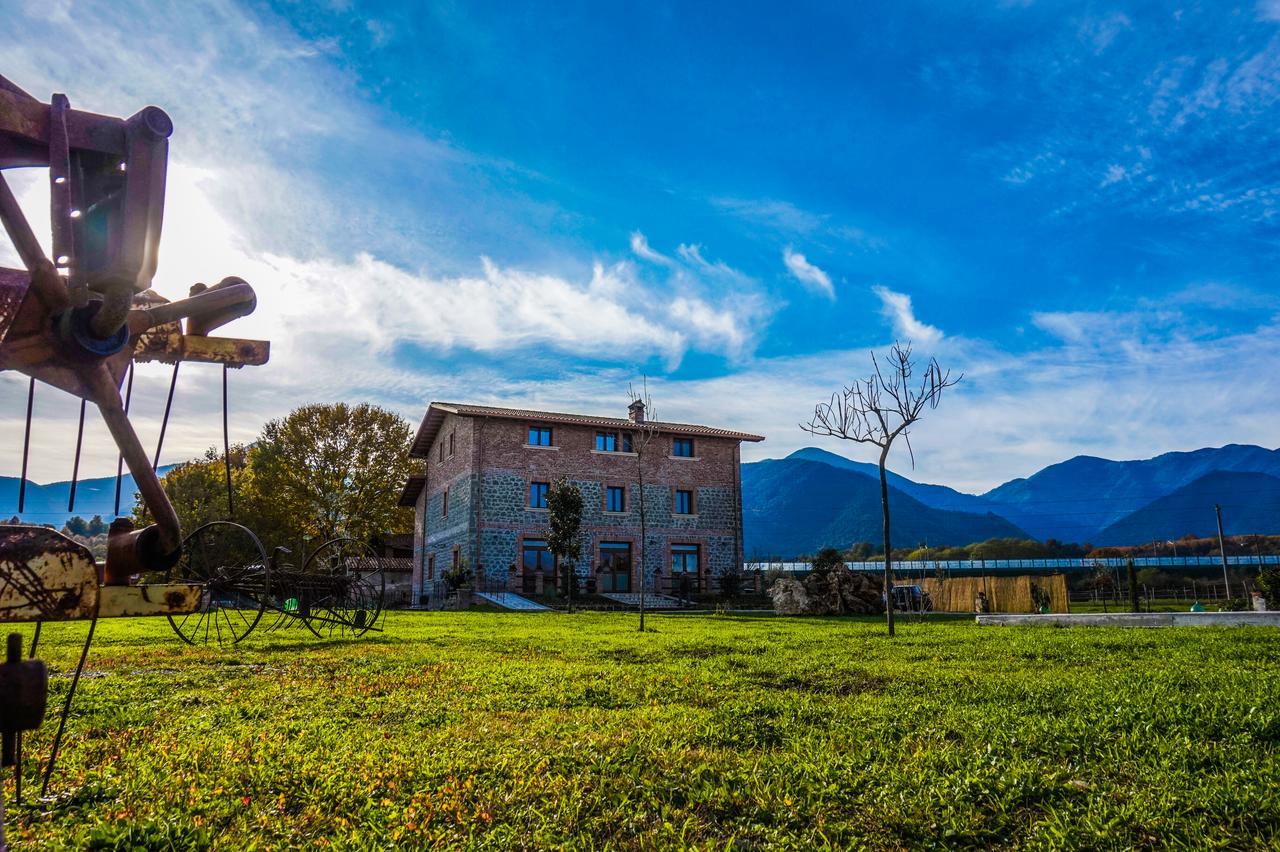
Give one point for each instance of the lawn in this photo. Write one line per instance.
(533, 730)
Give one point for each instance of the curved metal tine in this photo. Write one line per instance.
(66, 708)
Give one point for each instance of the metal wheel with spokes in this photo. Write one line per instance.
(229, 561)
(343, 585)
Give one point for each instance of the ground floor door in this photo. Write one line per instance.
(615, 566)
(536, 560)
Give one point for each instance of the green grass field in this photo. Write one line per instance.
(507, 731)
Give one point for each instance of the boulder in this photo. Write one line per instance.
(789, 597)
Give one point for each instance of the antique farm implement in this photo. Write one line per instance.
(338, 591)
(78, 320)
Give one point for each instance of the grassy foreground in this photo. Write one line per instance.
(510, 730)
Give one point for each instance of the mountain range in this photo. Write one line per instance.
(815, 498)
(47, 504)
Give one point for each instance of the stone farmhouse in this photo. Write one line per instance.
(482, 500)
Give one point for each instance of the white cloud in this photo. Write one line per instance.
(896, 307)
(1269, 10)
(808, 274)
(640, 248)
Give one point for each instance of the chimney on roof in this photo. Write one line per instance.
(635, 411)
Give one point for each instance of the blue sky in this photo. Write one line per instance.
(1074, 204)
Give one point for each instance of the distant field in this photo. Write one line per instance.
(503, 731)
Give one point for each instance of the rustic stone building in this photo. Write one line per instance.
(482, 499)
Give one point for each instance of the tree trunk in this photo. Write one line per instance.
(640, 555)
(888, 549)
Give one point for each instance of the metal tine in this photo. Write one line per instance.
(26, 447)
(168, 406)
(128, 397)
(75, 467)
(226, 444)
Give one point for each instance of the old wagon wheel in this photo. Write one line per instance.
(345, 585)
(229, 561)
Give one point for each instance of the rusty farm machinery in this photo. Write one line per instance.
(79, 321)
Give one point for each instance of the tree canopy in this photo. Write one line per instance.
(321, 472)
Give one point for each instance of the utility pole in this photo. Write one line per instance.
(1222, 548)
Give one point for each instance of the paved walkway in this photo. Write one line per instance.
(510, 600)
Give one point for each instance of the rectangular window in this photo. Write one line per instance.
(612, 442)
(431, 567)
(684, 559)
(615, 499)
(444, 504)
(682, 447)
(457, 556)
(538, 494)
(452, 442)
(440, 450)
(536, 557)
(539, 436)
(684, 502)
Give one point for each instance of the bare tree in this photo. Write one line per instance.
(878, 409)
(643, 433)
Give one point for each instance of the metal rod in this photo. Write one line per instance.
(226, 444)
(26, 447)
(104, 392)
(128, 396)
(168, 406)
(75, 466)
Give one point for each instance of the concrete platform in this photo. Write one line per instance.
(1137, 619)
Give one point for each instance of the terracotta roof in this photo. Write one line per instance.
(437, 410)
(412, 488)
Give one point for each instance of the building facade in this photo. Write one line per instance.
(482, 500)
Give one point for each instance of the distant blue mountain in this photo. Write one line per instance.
(937, 496)
(1076, 499)
(791, 507)
(794, 506)
(1250, 504)
(47, 504)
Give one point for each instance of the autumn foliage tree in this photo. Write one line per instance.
(321, 472)
(332, 470)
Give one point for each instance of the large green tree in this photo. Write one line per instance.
(331, 470)
(198, 489)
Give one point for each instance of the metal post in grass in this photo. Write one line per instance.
(1222, 549)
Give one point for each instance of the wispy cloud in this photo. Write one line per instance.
(640, 248)
(807, 274)
(896, 307)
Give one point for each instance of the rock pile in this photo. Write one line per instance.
(833, 592)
